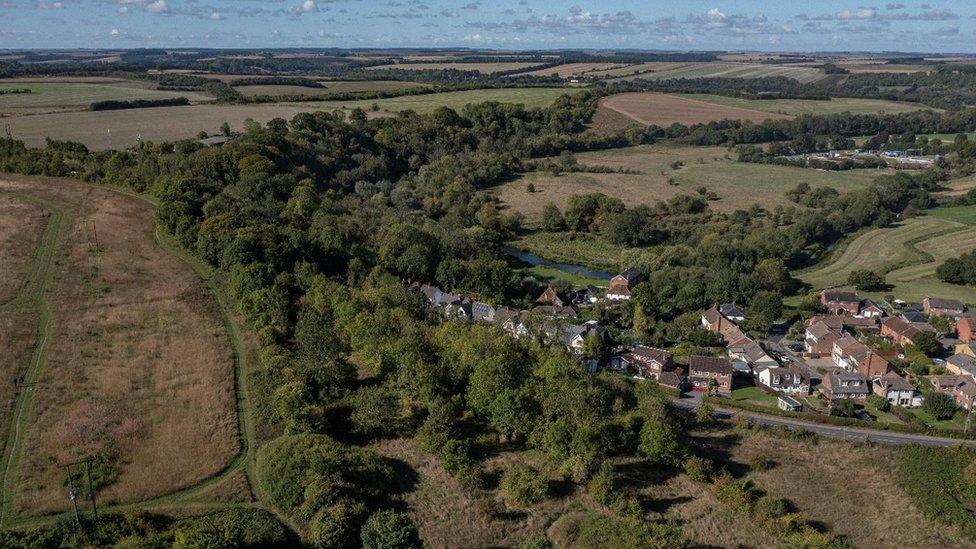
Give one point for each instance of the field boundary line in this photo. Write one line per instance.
(41, 276)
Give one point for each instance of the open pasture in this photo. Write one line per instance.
(425, 103)
(665, 109)
(739, 185)
(629, 70)
(796, 107)
(576, 69)
(485, 68)
(20, 228)
(136, 367)
(80, 94)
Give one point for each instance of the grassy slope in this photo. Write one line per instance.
(56, 94)
(530, 97)
(804, 106)
(330, 88)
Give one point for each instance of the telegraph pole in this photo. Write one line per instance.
(73, 495)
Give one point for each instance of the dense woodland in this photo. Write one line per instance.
(321, 223)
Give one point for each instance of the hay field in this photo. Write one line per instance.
(331, 87)
(796, 107)
(733, 70)
(80, 94)
(530, 97)
(629, 70)
(138, 364)
(485, 68)
(575, 69)
(739, 185)
(121, 129)
(665, 109)
(959, 187)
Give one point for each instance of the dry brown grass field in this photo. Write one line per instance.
(959, 187)
(843, 487)
(738, 184)
(18, 331)
(486, 68)
(20, 227)
(663, 109)
(331, 87)
(137, 365)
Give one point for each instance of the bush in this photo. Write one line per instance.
(699, 469)
(866, 280)
(879, 402)
(456, 459)
(660, 444)
(537, 542)
(760, 462)
(244, 527)
(523, 486)
(390, 530)
(844, 408)
(940, 405)
(704, 414)
(736, 494)
(336, 525)
(601, 487)
(440, 426)
(375, 412)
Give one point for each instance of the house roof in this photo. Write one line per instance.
(943, 381)
(712, 315)
(731, 310)
(894, 382)
(650, 353)
(833, 321)
(795, 373)
(750, 348)
(939, 303)
(900, 327)
(549, 295)
(671, 378)
(837, 296)
(833, 383)
(913, 316)
(965, 363)
(711, 364)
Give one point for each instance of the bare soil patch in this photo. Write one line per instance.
(138, 366)
(21, 225)
(664, 109)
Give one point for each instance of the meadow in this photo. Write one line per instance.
(331, 87)
(796, 107)
(665, 109)
(81, 94)
(907, 254)
(135, 367)
(738, 185)
(530, 97)
(576, 69)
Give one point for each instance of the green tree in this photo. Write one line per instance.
(940, 405)
(552, 219)
(660, 443)
(866, 280)
(844, 408)
(928, 343)
(390, 530)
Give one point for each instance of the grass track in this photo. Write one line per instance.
(31, 296)
(40, 277)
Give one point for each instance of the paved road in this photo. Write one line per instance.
(831, 431)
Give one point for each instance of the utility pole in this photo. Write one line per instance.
(91, 489)
(73, 495)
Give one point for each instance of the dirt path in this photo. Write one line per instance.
(237, 474)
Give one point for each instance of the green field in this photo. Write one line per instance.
(798, 107)
(962, 214)
(732, 70)
(575, 249)
(69, 94)
(907, 254)
(530, 97)
(739, 185)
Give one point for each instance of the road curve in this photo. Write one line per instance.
(853, 434)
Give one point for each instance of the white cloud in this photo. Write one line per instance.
(216, 16)
(158, 6)
(115, 32)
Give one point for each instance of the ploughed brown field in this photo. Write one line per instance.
(137, 365)
(663, 109)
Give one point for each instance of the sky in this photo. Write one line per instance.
(783, 25)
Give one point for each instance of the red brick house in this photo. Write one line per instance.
(623, 283)
(703, 369)
(961, 388)
(714, 321)
(550, 297)
(898, 331)
(840, 303)
(943, 307)
(650, 362)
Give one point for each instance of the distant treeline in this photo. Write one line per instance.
(138, 104)
(16, 91)
(277, 81)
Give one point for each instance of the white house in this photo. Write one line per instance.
(786, 380)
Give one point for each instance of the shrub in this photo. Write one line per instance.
(244, 527)
(879, 402)
(760, 462)
(940, 405)
(440, 426)
(601, 487)
(375, 412)
(844, 408)
(389, 530)
(736, 494)
(523, 486)
(866, 280)
(699, 469)
(456, 459)
(659, 443)
(704, 414)
(336, 525)
(537, 542)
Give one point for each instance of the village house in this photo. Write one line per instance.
(840, 303)
(622, 284)
(750, 352)
(966, 329)
(913, 316)
(961, 365)
(732, 312)
(897, 390)
(674, 379)
(702, 370)
(899, 332)
(819, 339)
(550, 297)
(650, 362)
(785, 380)
(868, 309)
(854, 356)
(714, 321)
(950, 308)
(436, 298)
(961, 388)
(844, 385)
(966, 348)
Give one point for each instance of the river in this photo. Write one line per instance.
(535, 260)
